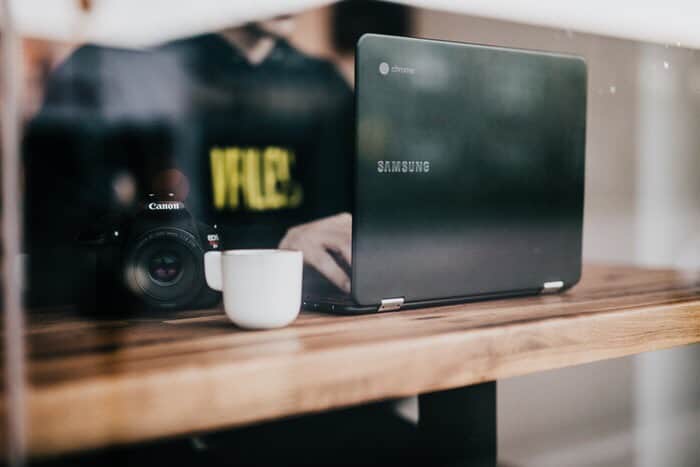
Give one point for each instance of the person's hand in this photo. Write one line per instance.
(317, 239)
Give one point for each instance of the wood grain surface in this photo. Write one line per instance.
(96, 382)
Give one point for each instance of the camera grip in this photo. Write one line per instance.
(212, 269)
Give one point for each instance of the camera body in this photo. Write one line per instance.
(151, 260)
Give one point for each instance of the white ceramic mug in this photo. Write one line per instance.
(261, 288)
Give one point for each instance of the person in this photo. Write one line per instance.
(254, 135)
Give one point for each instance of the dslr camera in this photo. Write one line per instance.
(151, 260)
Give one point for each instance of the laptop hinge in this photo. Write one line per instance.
(390, 304)
(552, 286)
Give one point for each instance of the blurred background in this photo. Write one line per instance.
(642, 207)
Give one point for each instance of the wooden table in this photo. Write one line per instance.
(101, 382)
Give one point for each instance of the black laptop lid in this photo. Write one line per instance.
(470, 169)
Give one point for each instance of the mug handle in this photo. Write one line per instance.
(212, 269)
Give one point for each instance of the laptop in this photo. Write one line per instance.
(469, 175)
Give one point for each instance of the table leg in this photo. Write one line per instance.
(457, 427)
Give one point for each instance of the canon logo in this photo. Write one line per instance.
(163, 206)
(403, 167)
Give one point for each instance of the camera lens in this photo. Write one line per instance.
(165, 267)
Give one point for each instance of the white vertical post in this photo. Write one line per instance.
(668, 212)
(11, 239)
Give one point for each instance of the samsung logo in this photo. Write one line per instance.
(163, 206)
(403, 167)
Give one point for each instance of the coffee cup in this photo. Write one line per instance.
(261, 288)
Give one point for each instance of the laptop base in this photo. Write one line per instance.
(344, 304)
